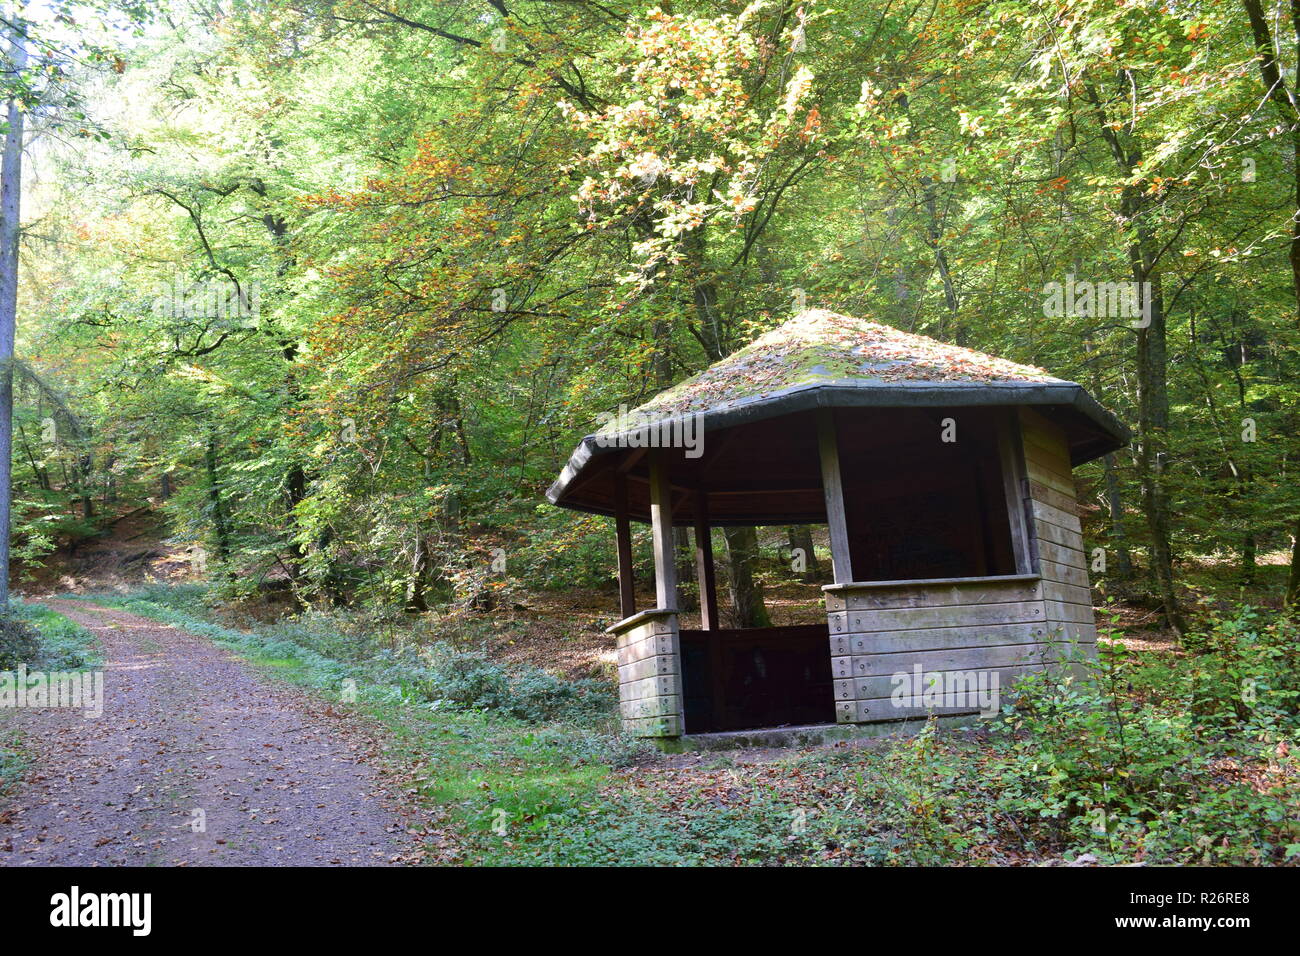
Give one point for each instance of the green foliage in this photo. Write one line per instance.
(469, 679)
(20, 642)
(1181, 761)
(12, 759)
(43, 639)
(462, 255)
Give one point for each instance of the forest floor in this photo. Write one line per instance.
(492, 739)
(195, 761)
(250, 727)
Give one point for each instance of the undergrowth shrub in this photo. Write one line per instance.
(470, 679)
(1188, 760)
(20, 642)
(42, 639)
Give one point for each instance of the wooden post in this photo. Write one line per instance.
(833, 487)
(704, 564)
(1011, 458)
(623, 534)
(661, 521)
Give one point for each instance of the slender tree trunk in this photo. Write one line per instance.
(214, 497)
(1152, 370)
(11, 170)
(1293, 580)
(1283, 98)
(296, 493)
(747, 608)
(1118, 533)
(1153, 431)
(687, 597)
(416, 602)
(801, 539)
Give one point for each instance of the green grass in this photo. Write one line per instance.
(13, 762)
(65, 644)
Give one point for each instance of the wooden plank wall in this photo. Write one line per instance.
(982, 627)
(649, 674)
(1062, 559)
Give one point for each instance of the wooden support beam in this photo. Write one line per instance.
(623, 533)
(630, 460)
(704, 564)
(1015, 486)
(661, 521)
(833, 486)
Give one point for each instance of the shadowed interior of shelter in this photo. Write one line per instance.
(918, 506)
(758, 677)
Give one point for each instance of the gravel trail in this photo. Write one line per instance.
(195, 761)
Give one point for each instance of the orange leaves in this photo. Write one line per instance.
(812, 125)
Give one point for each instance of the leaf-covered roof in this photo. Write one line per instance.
(818, 346)
(821, 359)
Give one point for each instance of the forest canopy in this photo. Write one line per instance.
(340, 284)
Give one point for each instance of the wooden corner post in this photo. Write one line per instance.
(704, 564)
(1011, 457)
(661, 521)
(623, 533)
(833, 486)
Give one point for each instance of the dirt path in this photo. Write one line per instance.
(189, 733)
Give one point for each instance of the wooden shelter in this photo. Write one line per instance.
(943, 476)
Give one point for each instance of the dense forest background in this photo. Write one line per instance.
(338, 285)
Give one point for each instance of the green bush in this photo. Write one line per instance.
(1159, 762)
(20, 642)
(470, 679)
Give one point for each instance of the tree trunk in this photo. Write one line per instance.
(801, 539)
(1293, 579)
(746, 593)
(687, 596)
(11, 169)
(1283, 98)
(1152, 369)
(214, 497)
(416, 602)
(1118, 533)
(1153, 428)
(296, 494)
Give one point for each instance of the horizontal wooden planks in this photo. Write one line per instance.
(946, 659)
(904, 619)
(937, 638)
(1064, 520)
(649, 668)
(1060, 554)
(1069, 612)
(1050, 479)
(1064, 574)
(1066, 593)
(944, 595)
(1050, 496)
(653, 726)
